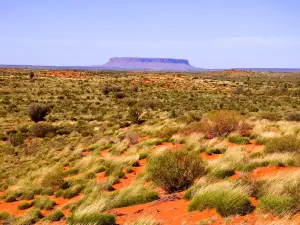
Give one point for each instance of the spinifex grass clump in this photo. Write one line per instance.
(279, 205)
(44, 203)
(224, 197)
(175, 171)
(279, 194)
(95, 218)
(283, 144)
(31, 217)
(56, 215)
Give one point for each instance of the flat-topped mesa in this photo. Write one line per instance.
(134, 63)
(147, 60)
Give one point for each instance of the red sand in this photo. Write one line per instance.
(170, 212)
(253, 147)
(210, 157)
(271, 170)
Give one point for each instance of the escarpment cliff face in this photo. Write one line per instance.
(156, 64)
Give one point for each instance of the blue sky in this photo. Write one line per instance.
(210, 33)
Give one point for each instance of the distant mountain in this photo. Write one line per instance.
(153, 64)
(148, 64)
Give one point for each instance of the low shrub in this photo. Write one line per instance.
(283, 144)
(220, 123)
(42, 130)
(272, 116)
(166, 132)
(295, 116)
(176, 170)
(224, 198)
(37, 112)
(92, 218)
(56, 215)
(134, 115)
(238, 140)
(16, 139)
(133, 195)
(279, 205)
(120, 94)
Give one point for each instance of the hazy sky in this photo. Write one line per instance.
(210, 33)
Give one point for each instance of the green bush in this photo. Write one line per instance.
(25, 205)
(279, 205)
(37, 112)
(44, 203)
(16, 139)
(56, 215)
(220, 123)
(288, 143)
(42, 130)
(176, 170)
(93, 218)
(226, 200)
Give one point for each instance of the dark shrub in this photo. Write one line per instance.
(120, 94)
(293, 116)
(272, 116)
(37, 112)
(42, 130)
(105, 90)
(175, 171)
(148, 103)
(134, 115)
(31, 75)
(135, 89)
